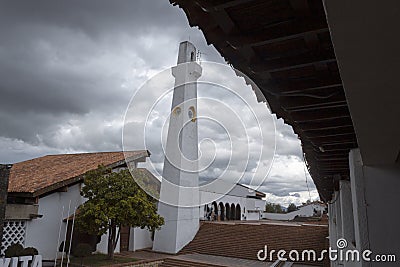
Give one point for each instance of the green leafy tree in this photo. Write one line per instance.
(278, 208)
(115, 200)
(269, 207)
(273, 208)
(291, 207)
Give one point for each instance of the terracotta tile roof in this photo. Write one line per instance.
(41, 175)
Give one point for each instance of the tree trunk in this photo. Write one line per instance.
(117, 237)
(111, 240)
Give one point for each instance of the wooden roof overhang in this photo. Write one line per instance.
(285, 47)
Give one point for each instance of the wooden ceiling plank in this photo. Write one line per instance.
(291, 62)
(305, 86)
(286, 30)
(232, 3)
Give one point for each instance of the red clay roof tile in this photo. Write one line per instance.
(54, 171)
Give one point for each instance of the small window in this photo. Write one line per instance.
(192, 56)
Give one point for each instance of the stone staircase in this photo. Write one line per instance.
(244, 240)
(211, 260)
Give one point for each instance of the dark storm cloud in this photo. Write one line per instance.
(59, 59)
(287, 143)
(93, 18)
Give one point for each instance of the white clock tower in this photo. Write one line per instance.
(179, 196)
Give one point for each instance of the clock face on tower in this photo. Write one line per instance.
(192, 113)
(176, 111)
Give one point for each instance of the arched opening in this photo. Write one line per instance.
(238, 212)
(214, 211)
(227, 213)
(221, 211)
(207, 214)
(232, 211)
(192, 56)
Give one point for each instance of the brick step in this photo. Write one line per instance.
(171, 262)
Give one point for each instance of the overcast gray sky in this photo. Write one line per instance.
(68, 70)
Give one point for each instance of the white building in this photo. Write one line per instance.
(312, 209)
(43, 194)
(241, 203)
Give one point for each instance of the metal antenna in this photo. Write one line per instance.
(65, 236)
(71, 235)
(59, 236)
(305, 174)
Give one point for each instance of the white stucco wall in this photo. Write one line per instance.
(260, 204)
(250, 204)
(253, 216)
(382, 185)
(42, 233)
(278, 216)
(304, 211)
(308, 210)
(139, 239)
(103, 244)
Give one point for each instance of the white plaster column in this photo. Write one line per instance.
(338, 217)
(375, 192)
(332, 229)
(359, 204)
(346, 212)
(338, 209)
(347, 220)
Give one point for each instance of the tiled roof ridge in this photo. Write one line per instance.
(39, 175)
